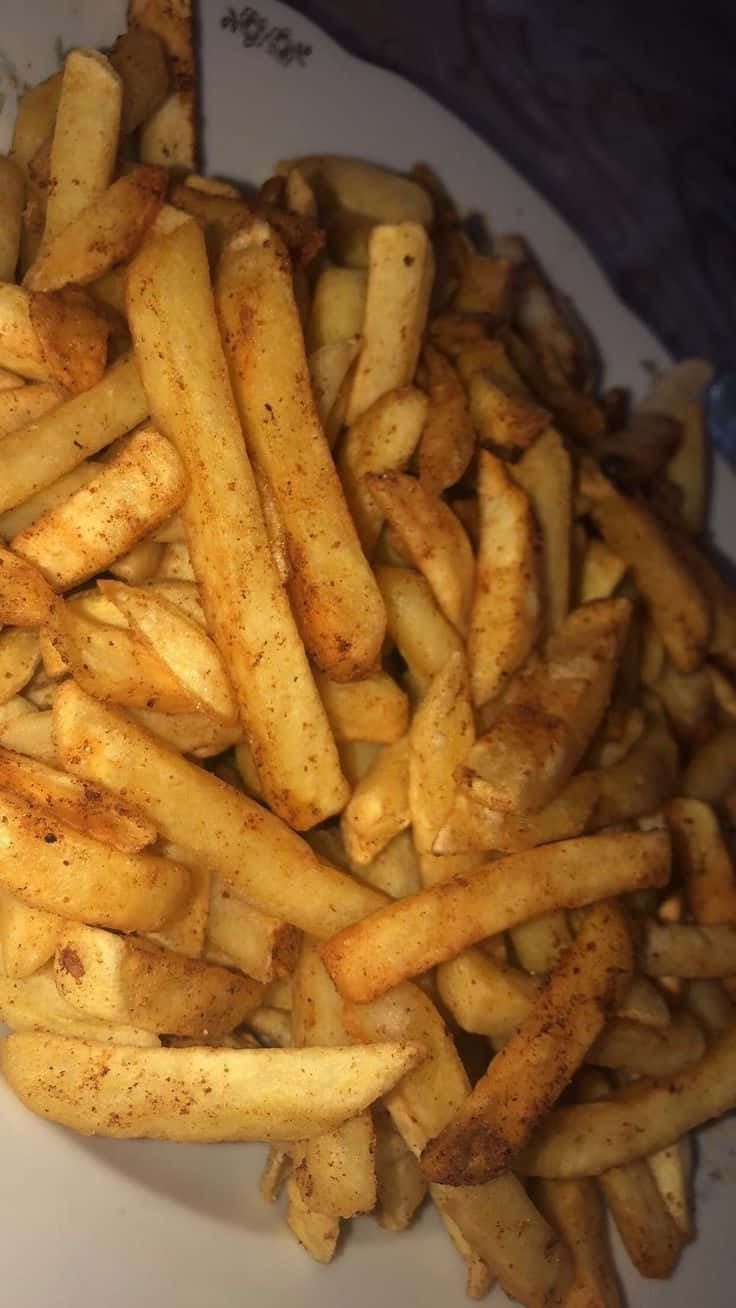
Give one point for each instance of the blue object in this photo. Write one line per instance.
(721, 410)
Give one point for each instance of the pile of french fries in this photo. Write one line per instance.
(316, 521)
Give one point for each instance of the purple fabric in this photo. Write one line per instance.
(623, 114)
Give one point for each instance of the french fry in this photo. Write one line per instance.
(688, 700)
(263, 947)
(337, 308)
(636, 1121)
(706, 865)
(169, 135)
(677, 605)
(362, 188)
(247, 846)
(505, 1106)
(105, 233)
(328, 369)
(497, 1220)
(550, 712)
(50, 865)
(133, 493)
(378, 808)
(11, 208)
(601, 571)
(373, 709)
(685, 949)
(678, 393)
(448, 439)
(335, 1173)
(486, 287)
(247, 1094)
(433, 537)
(317, 1232)
(113, 979)
(711, 769)
(139, 564)
(545, 474)
(32, 1003)
(27, 937)
(73, 336)
(575, 1210)
(86, 129)
(470, 825)
(642, 780)
(189, 733)
(25, 597)
(400, 272)
(395, 870)
(86, 808)
(719, 595)
(186, 933)
(410, 935)
(331, 588)
(484, 996)
(423, 634)
(441, 733)
(649, 1050)
(29, 733)
(647, 1228)
(24, 404)
(176, 563)
(19, 658)
(34, 121)
(37, 455)
(401, 1188)
(503, 419)
(138, 58)
(710, 1005)
(382, 439)
(20, 348)
(672, 1172)
(253, 627)
(182, 645)
(505, 617)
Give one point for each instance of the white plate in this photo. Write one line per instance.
(92, 1222)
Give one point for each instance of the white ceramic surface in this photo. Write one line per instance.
(87, 1223)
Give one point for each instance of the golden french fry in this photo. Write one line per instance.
(395, 870)
(448, 439)
(529, 1074)
(49, 865)
(176, 563)
(382, 439)
(601, 571)
(169, 134)
(11, 209)
(186, 933)
(410, 935)
(133, 493)
(27, 937)
(263, 947)
(541, 943)
(140, 563)
(86, 808)
(545, 474)
(189, 733)
(25, 597)
(138, 58)
(337, 307)
(317, 1232)
(575, 1210)
(34, 120)
(24, 404)
(400, 272)
(373, 709)
(587, 1139)
(400, 1186)
(19, 658)
(705, 862)
(29, 733)
(227, 536)
(85, 140)
(328, 368)
(231, 1094)
(182, 645)
(113, 979)
(37, 455)
(32, 1003)
(497, 1220)
(105, 233)
(470, 825)
(711, 770)
(73, 336)
(485, 996)
(416, 623)
(362, 188)
(672, 1172)
(378, 809)
(336, 601)
(20, 348)
(550, 712)
(645, 1225)
(246, 845)
(503, 419)
(505, 617)
(441, 733)
(433, 537)
(677, 605)
(275, 1172)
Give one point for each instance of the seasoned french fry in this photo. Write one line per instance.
(30, 733)
(111, 978)
(688, 700)
(379, 806)
(317, 1232)
(470, 825)
(19, 658)
(395, 870)
(545, 474)
(337, 308)
(169, 136)
(140, 563)
(35, 119)
(27, 937)
(335, 597)
(600, 573)
(86, 808)
(25, 598)
(247, 846)
(253, 627)
(636, 1121)
(362, 188)
(684, 949)
(441, 733)
(373, 709)
(176, 563)
(424, 636)
(672, 1171)
(649, 1050)
(485, 996)
(505, 617)
(129, 1093)
(186, 933)
(401, 1188)
(647, 1228)
(550, 712)
(574, 1209)
(506, 1105)
(382, 439)
(497, 1220)
(189, 733)
(138, 58)
(679, 393)
(433, 537)
(20, 348)
(105, 233)
(32, 1003)
(677, 605)
(705, 862)
(263, 947)
(328, 368)
(410, 935)
(24, 404)
(711, 770)
(448, 438)
(503, 419)
(85, 140)
(400, 272)
(11, 208)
